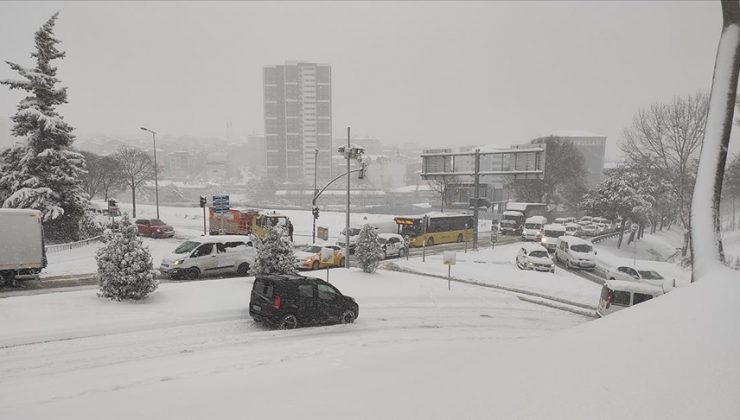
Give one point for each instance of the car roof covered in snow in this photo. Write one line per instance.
(536, 219)
(532, 246)
(555, 226)
(634, 286)
(220, 238)
(390, 235)
(572, 225)
(513, 213)
(574, 240)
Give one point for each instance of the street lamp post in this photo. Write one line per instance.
(350, 152)
(315, 191)
(156, 182)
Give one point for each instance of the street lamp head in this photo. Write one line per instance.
(146, 129)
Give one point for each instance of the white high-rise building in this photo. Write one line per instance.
(297, 100)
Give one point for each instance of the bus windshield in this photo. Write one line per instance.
(411, 230)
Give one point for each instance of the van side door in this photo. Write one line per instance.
(204, 257)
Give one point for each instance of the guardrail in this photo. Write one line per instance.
(597, 239)
(71, 245)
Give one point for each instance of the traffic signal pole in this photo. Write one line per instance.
(476, 182)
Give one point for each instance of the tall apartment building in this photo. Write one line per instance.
(297, 100)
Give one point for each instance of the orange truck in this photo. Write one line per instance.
(244, 222)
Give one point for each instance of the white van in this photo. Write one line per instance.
(22, 252)
(572, 229)
(210, 255)
(532, 230)
(619, 294)
(575, 252)
(550, 236)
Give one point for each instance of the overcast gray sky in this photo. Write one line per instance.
(436, 73)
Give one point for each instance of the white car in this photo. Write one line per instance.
(393, 244)
(534, 257)
(572, 229)
(624, 272)
(532, 230)
(201, 255)
(575, 253)
(589, 230)
(551, 234)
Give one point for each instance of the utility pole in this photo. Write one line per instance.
(156, 184)
(315, 191)
(346, 228)
(476, 182)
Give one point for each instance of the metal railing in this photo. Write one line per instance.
(71, 245)
(597, 239)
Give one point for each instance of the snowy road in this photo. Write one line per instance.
(73, 354)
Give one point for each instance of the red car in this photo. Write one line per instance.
(154, 228)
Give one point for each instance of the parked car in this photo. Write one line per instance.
(550, 236)
(575, 253)
(534, 257)
(619, 294)
(585, 220)
(392, 244)
(154, 228)
(23, 254)
(222, 254)
(601, 228)
(314, 257)
(290, 301)
(561, 221)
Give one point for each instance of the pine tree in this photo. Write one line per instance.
(125, 265)
(368, 250)
(43, 173)
(275, 254)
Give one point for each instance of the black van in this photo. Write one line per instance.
(289, 301)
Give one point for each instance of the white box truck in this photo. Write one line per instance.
(22, 253)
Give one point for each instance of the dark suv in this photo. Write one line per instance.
(289, 301)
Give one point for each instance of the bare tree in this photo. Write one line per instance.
(103, 175)
(440, 185)
(667, 138)
(708, 251)
(137, 168)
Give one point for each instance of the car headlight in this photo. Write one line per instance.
(178, 262)
(529, 263)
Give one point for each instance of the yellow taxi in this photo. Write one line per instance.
(314, 256)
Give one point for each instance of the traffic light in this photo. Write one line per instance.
(363, 168)
(315, 212)
(203, 201)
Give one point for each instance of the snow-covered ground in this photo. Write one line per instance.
(191, 350)
(417, 350)
(497, 268)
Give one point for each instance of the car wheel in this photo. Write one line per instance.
(569, 264)
(243, 269)
(315, 265)
(193, 273)
(288, 322)
(459, 238)
(401, 253)
(348, 317)
(612, 278)
(430, 242)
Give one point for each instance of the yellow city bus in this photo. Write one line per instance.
(441, 228)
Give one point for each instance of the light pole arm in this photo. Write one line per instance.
(318, 194)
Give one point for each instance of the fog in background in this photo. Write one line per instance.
(434, 73)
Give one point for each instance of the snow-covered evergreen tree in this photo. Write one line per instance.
(275, 254)
(43, 173)
(368, 250)
(125, 265)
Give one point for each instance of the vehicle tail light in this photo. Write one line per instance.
(277, 302)
(609, 300)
